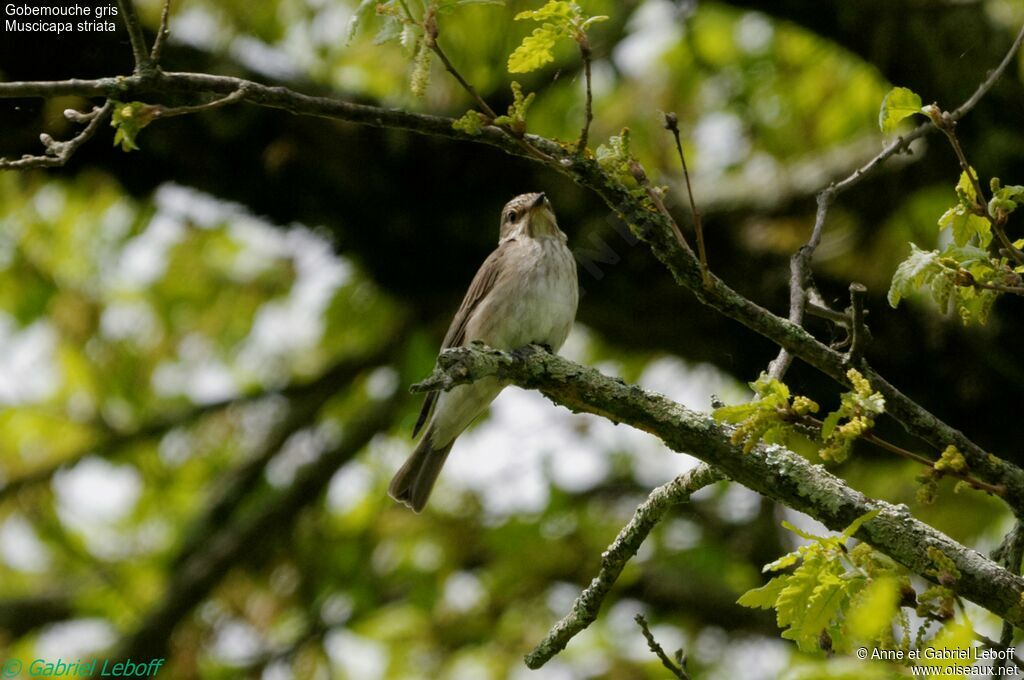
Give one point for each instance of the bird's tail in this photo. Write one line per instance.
(413, 483)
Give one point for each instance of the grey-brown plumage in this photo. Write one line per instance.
(525, 292)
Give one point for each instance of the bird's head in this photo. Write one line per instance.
(529, 215)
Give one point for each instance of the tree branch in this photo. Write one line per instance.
(678, 670)
(772, 471)
(143, 62)
(161, 34)
(613, 560)
(58, 153)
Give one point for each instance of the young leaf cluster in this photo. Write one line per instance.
(128, 120)
(828, 597)
(769, 417)
(950, 462)
(966, 276)
(560, 19)
(858, 408)
(515, 119)
(823, 601)
(898, 104)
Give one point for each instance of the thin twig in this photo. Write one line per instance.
(945, 122)
(678, 670)
(858, 331)
(640, 176)
(160, 111)
(58, 153)
(143, 62)
(584, 44)
(672, 125)
(974, 482)
(161, 35)
(647, 515)
(436, 49)
(1012, 290)
(832, 315)
(431, 32)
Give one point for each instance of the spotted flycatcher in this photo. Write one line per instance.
(525, 292)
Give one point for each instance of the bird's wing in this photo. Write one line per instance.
(482, 284)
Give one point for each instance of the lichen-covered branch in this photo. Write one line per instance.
(772, 471)
(613, 560)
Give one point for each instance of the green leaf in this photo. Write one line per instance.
(128, 120)
(912, 273)
(765, 596)
(536, 50)
(966, 224)
(822, 607)
(965, 186)
(391, 30)
(872, 613)
(787, 560)
(472, 122)
(554, 10)
(829, 425)
(791, 605)
(735, 414)
(856, 524)
(899, 103)
(803, 534)
(1006, 199)
(366, 9)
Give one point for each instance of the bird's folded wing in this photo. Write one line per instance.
(482, 284)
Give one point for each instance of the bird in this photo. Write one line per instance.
(525, 292)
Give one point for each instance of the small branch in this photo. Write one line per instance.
(161, 35)
(858, 331)
(58, 153)
(672, 125)
(160, 111)
(584, 44)
(430, 31)
(945, 122)
(436, 49)
(923, 460)
(1012, 290)
(648, 514)
(812, 426)
(640, 176)
(143, 62)
(832, 315)
(678, 670)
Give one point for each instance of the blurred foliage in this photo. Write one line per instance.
(148, 346)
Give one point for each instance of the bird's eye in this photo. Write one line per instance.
(512, 216)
